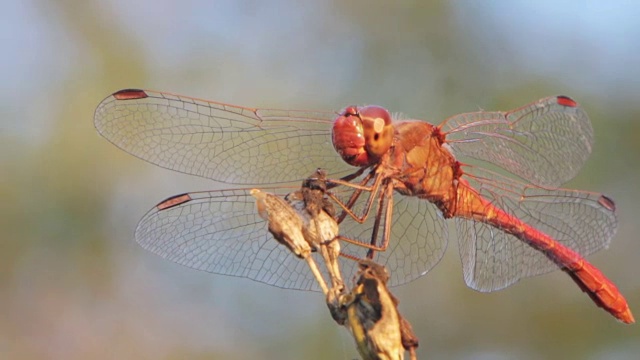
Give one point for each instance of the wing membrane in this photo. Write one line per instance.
(545, 142)
(492, 259)
(418, 240)
(222, 142)
(221, 232)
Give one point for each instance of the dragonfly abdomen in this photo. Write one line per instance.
(592, 281)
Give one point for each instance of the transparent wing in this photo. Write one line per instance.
(545, 142)
(222, 142)
(221, 232)
(493, 259)
(418, 240)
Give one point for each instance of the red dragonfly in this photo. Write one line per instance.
(512, 219)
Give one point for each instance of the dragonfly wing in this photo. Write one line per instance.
(221, 232)
(222, 142)
(545, 142)
(418, 240)
(492, 259)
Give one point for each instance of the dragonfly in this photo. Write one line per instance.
(497, 174)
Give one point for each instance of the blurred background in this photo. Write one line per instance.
(73, 282)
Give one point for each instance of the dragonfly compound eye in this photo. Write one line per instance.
(362, 135)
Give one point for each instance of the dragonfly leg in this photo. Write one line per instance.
(333, 183)
(387, 211)
(347, 207)
(385, 216)
(346, 181)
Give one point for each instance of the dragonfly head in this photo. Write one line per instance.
(361, 135)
